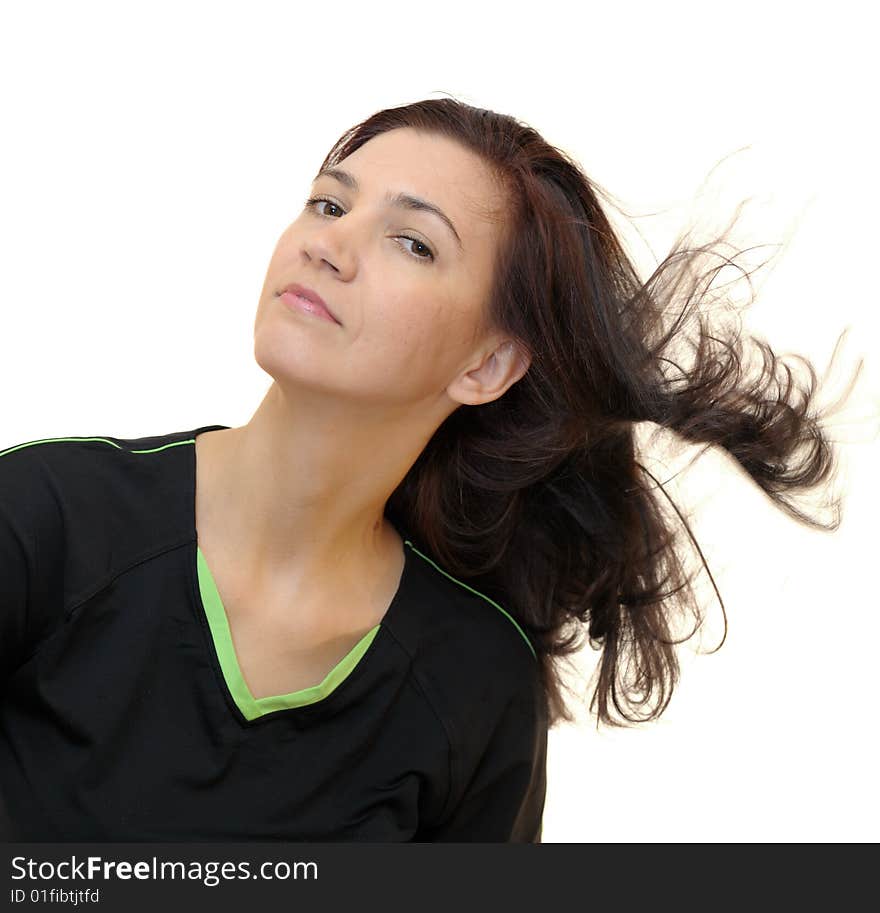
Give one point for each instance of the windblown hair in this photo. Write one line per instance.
(537, 498)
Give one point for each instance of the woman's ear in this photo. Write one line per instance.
(499, 368)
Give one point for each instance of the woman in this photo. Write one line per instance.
(341, 620)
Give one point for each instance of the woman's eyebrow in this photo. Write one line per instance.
(404, 200)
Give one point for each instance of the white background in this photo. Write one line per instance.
(153, 153)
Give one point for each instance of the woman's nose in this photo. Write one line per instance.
(331, 244)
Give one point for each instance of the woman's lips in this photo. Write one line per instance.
(298, 302)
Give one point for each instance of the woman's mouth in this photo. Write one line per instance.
(301, 299)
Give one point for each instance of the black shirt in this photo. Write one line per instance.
(124, 715)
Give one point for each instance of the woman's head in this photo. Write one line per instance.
(533, 292)
(408, 279)
(541, 326)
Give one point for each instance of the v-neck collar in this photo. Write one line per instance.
(251, 708)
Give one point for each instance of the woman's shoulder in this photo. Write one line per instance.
(463, 611)
(73, 458)
(465, 647)
(81, 479)
(84, 507)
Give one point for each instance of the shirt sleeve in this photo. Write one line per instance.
(29, 530)
(503, 798)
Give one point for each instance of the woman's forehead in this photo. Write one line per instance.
(427, 165)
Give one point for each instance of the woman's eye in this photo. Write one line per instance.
(312, 203)
(419, 250)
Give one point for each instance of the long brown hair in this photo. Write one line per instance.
(538, 499)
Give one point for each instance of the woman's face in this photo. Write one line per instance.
(408, 293)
